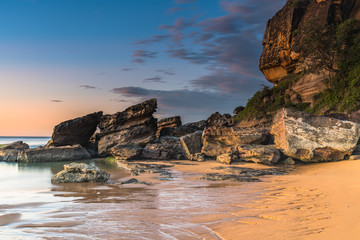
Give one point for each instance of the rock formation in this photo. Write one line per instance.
(166, 148)
(126, 133)
(187, 129)
(313, 138)
(221, 140)
(164, 126)
(191, 144)
(80, 172)
(75, 131)
(265, 154)
(283, 39)
(216, 119)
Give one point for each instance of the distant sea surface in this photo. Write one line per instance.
(33, 142)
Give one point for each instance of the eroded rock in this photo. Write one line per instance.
(191, 144)
(166, 125)
(311, 138)
(265, 154)
(75, 131)
(80, 172)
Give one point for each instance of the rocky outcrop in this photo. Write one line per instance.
(54, 154)
(311, 138)
(283, 42)
(265, 154)
(221, 140)
(19, 145)
(186, 129)
(125, 133)
(80, 172)
(166, 148)
(238, 110)
(191, 144)
(216, 119)
(75, 131)
(164, 126)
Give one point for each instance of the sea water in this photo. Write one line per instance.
(33, 142)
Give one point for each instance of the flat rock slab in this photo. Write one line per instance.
(80, 172)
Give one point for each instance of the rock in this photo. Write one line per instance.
(167, 148)
(220, 140)
(228, 177)
(226, 158)
(80, 172)
(216, 119)
(191, 144)
(311, 138)
(124, 152)
(126, 132)
(238, 110)
(164, 126)
(75, 131)
(289, 161)
(259, 154)
(53, 154)
(354, 157)
(19, 145)
(186, 129)
(197, 157)
(132, 181)
(138, 168)
(9, 155)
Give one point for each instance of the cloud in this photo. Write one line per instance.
(56, 101)
(153, 39)
(154, 80)
(174, 10)
(192, 105)
(184, 1)
(127, 69)
(167, 72)
(88, 87)
(176, 30)
(144, 54)
(101, 73)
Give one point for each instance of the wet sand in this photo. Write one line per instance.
(318, 201)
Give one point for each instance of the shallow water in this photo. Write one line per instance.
(33, 208)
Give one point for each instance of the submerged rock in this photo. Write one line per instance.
(75, 131)
(80, 172)
(312, 138)
(124, 134)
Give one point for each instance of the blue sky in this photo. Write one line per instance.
(60, 59)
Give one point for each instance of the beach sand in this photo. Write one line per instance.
(316, 201)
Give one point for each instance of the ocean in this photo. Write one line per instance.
(33, 142)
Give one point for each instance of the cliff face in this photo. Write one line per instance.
(282, 52)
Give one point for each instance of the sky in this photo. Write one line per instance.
(61, 59)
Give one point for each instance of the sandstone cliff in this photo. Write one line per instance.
(282, 43)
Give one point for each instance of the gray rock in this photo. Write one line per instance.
(19, 145)
(53, 154)
(124, 152)
(191, 144)
(186, 129)
(80, 172)
(165, 126)
(312, 138)
(167, 148)
(75, 131)
(9, 155)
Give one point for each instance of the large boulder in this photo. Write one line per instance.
(313, 138)
(191, 144)
(167, 148)
(80, 172)
(125, 133)
(164, 126)
(9, 155)
(75, 131)
(265, 154)
(53, 154)
(221, 140)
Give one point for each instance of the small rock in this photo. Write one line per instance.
(226, 158)
(290, 161)
(197, 157)
(80, 172)
(133, 181)
(354, 157)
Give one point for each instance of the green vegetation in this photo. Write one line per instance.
(333, 48)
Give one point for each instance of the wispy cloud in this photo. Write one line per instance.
(154, 80)
(127, 69)
(88, 87)
(56, 101)
(167, 72)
